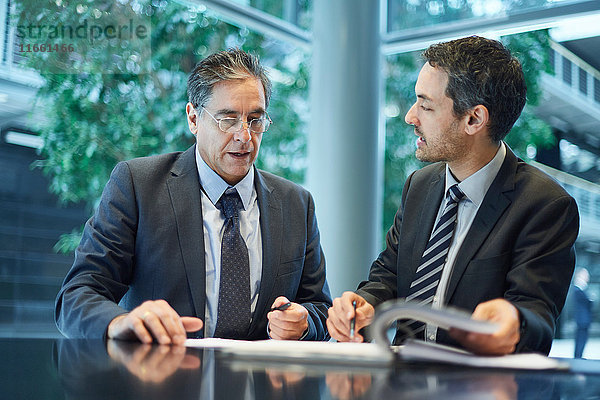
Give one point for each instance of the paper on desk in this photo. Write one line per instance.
(355, 353)
(371, 354)
(215, 343)
(432, 352)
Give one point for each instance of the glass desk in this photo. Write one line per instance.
(79, 369)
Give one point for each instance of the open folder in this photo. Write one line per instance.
(446, 318)
(381, 353)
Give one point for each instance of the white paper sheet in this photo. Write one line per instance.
(432, 352)
(362, 353)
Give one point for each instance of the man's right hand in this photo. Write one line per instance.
(341, 314)
(153, 319)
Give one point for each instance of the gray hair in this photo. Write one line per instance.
(225, 65)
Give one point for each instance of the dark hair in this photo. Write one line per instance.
(482, 71)
(223, 66)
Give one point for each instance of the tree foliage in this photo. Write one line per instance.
(103, 103)
(99, 106)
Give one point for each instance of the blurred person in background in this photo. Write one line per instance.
(583, 310)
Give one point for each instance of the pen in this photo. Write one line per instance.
(353, 321)
(281, 307)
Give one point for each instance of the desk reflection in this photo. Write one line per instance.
(450, 386)
(123, 370)
(347, 386)
(151, 363)
(119, 370)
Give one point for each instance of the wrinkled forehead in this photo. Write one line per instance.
(238, 96)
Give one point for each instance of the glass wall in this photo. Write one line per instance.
(559, 127)
(411, 14)
(110, 86)
(91, 97)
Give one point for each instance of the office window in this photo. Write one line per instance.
(5, 46)
(100, 109)
(297, 12)
(584, 202)
(31, 223)
(414, 14)
(112, 116)
(567, 71)
(583, 81)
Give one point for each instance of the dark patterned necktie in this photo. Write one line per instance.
(233, 314)
(425, 282)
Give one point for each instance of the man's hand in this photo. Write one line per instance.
(341, 314)
(153, 319)
(289, 324)
(503, 341)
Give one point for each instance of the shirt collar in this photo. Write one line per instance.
(476, 186)
(214, 186)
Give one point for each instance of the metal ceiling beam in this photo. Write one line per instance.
(513, 22)
(407, 39)
(256, 20)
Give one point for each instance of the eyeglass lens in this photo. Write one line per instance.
(233, 125)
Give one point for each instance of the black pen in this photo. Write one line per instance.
(281, 307)
(353, 321)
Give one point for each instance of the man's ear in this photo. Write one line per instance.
(477, 119)
(192, 118)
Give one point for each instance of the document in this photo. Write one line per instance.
(301, 351)
(381, 353)
(371, 354)
(418, 350)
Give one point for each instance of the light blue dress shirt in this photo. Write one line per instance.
(213, 186)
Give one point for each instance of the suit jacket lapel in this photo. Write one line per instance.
(424, 205)
(271, 228)
(184, 190)
(435, 194)
(494, 203)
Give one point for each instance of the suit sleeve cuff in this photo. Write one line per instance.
(304, 335)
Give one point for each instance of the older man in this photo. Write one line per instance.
(201, 241)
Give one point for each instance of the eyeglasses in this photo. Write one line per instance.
(234, 125)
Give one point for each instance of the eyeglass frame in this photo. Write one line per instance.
(218, 121)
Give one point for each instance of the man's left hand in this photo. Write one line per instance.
(504, 340)
(289, 324)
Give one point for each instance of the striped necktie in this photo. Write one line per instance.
(425, 282)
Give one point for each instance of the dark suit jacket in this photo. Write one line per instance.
(146, 241)
(519, 247)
